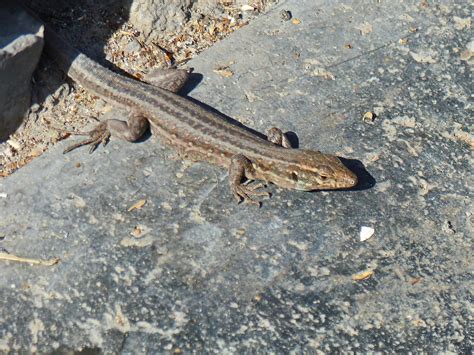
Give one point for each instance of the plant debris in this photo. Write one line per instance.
(11, 257)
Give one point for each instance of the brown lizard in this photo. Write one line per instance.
(196, 132)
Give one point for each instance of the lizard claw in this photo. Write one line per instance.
(242, 192)
(98, 135)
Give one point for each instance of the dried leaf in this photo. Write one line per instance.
(137, 205)
(224, 71)
(326, 74)
(168, 58)
(374, 157)
(364, 275)
(247, 8)
(295, 21)
(14, 144)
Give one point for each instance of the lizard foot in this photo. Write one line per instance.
(98, 135)
(241, 168)
(245, 193)
(276, 136)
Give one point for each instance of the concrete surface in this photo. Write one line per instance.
(208, 275)
(21, 43)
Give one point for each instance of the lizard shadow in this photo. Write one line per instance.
(365, 179)
(193, 81)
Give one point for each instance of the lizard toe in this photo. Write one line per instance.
(98, 135)
(248, 194)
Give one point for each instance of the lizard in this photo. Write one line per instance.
(196, 132)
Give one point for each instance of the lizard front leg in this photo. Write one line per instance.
(240, 167)
(130, 131)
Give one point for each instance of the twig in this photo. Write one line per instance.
(11, 257)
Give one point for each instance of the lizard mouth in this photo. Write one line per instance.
(347, 182)
(344, 183)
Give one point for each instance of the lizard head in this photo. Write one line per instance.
(312, 170)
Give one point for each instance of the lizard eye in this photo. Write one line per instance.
(294, 176)
(323, 177)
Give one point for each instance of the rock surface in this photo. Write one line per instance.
(21, 43)
(154, 17)
(191, 270)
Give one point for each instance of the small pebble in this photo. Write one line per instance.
(132, 47)
(368, 117)
(366, 233)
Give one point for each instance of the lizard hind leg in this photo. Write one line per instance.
(169, 79)
(240, 167)
(276, 136)
(100, 134)
(130, 131)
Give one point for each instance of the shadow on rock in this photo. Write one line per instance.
(366, 181)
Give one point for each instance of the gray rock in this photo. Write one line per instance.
(152, 17)
(132, 46)
(21, 43)
(207, 275)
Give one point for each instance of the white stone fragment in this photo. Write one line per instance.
(366, 233)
